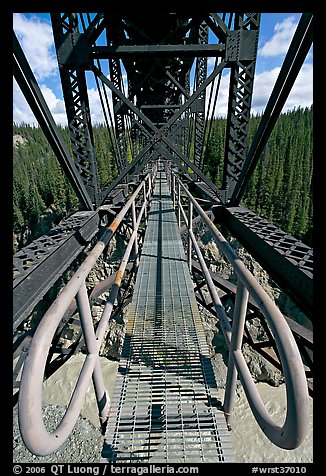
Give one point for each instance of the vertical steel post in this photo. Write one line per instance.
(168, 174)
(150, 178)
(73, 62)
(199, 120)
(190, 208)
(115, 33)
(134, 221)
(145, 202)
(241, 53)
(173, 190)
(239, 317)
(92, 345)
(179, 203)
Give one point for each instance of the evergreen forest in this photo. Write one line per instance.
(279, 190)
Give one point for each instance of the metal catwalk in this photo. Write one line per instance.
(165, 404)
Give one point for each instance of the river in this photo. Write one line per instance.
(249, 442)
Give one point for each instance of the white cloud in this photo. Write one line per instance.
(21, 110)
(210, 63)
(280, 41)
(300, 95)
(36, 39)
(221, 107)
(56, 105)
(95, 106)
(263, 86)
(302, 91)
(51, 99)
(23, 113)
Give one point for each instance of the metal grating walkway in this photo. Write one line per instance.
(164, 404)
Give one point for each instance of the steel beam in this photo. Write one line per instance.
(39, 265)
(120, 132)
(201, 50)
(176, 115)
(190, 164)
(219, 28)
(95, 28)
(154, 156)
(201, 73)
(72, 65)
(160, 106)
(174, 81)
(241, 52)
(196, 93)
(115, 34)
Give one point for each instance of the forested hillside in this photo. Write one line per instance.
(281, 186)
(42, 194)
(280, 189)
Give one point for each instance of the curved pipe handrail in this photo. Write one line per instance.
(291, 434)
(33, 431)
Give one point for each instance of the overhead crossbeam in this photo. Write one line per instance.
(181, 51)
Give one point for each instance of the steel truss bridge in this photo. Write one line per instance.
(158, 98)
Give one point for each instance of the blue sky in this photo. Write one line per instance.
(35, 35)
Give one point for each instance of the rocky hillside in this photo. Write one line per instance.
(260, 368)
